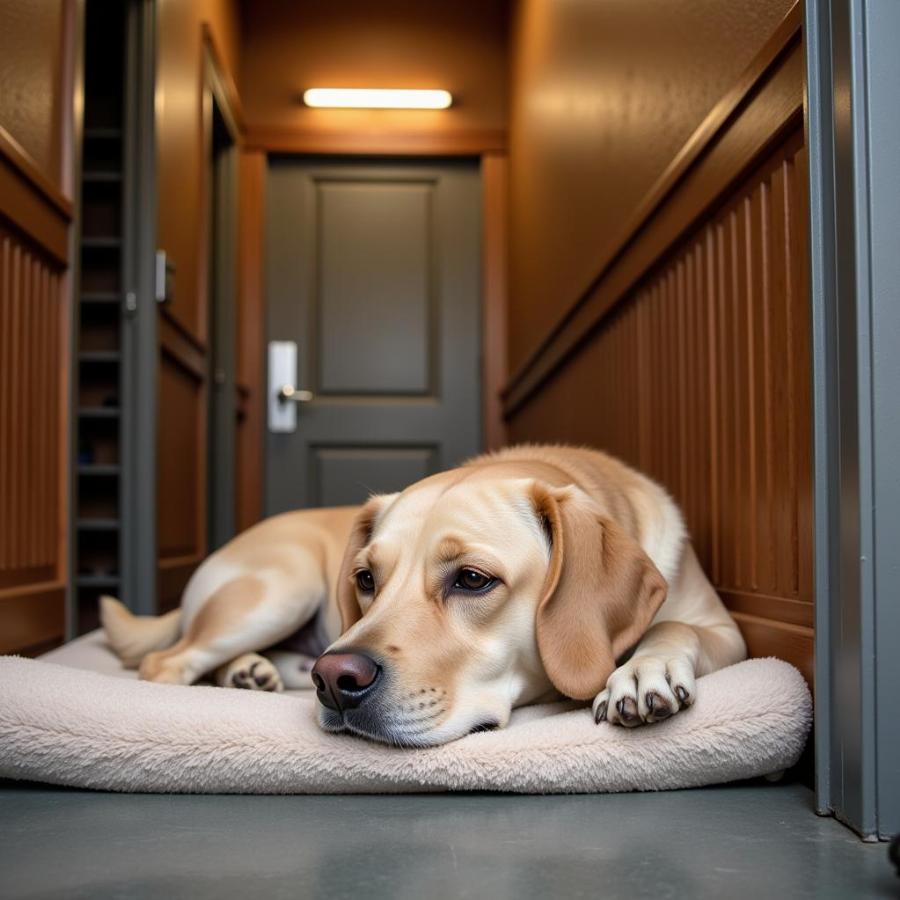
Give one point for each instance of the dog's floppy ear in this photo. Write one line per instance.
(360, 534)
(600, 595)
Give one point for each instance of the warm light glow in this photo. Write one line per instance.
(376, 98)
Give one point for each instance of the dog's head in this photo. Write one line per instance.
(464, 597)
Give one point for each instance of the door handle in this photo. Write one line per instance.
(283, 397)
(289, 393)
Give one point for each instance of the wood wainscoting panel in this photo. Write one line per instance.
(182, 486)
(33, 443)
(700, 377)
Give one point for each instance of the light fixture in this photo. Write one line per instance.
(376, 98)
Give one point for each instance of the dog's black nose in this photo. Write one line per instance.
(343, 679)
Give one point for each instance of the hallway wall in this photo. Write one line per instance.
(37, 52)
(32, 65)
(603, 97)
(658, 274)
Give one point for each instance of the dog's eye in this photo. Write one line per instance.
(473, 580)
(365, 581)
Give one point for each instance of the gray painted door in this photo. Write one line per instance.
(373, 269)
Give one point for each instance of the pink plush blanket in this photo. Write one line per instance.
(74, 726)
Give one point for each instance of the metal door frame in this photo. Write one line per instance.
(221, 179)
(854, 146)
(138, 552)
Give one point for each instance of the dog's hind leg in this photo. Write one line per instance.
(244, 615)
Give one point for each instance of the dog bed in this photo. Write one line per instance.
(72, 725)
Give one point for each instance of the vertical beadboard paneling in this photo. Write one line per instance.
(30, 413)
(727, 399)
(701, 379)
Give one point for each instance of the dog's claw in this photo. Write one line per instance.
(628, 711)
(600, 715)
(657, 707)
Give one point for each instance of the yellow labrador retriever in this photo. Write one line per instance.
(515, 578)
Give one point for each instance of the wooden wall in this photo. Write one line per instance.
(666, 317)
(186, 32)
(603, 97)
(36, 53)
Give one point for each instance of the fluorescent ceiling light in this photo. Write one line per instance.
(376, 98)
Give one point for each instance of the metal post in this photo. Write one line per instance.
(140, 356)
(854, 145)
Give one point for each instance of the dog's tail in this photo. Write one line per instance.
(133, 637)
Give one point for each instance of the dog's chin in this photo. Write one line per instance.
(384, 731)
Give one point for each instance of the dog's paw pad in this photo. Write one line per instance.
(256, 674)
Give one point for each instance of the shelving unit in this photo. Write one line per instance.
(97, 562)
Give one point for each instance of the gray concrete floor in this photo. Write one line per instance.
(752, 841)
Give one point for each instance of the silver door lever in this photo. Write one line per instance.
(289, 393)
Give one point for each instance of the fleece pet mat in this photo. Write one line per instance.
(88, 729)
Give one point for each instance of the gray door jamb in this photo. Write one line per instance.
(140, 356)
(854, 147)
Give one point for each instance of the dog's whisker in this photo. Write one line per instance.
(415, 720)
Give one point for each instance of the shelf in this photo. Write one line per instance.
(97, 581)
(99, 469)
(99, 356)
(103, 134)
(96, 468)
(97, 524)
(101, 297)
(100, 243)
(99, 412)
(104, 176)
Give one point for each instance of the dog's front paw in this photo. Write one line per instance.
(646, 690)
(251, 672)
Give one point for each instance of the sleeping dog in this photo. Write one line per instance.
(518, 577)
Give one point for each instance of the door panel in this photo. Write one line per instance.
(181, 451)
(341, 474)
(374, 271)
(374, 287)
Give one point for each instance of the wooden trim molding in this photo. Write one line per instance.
(39, 212)
(765, 102)
(179, 344)
(17, 156)
(767, 637)
(355, 143)
(230, 98)
(251, 316)
(494, 177)
(32, 616)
